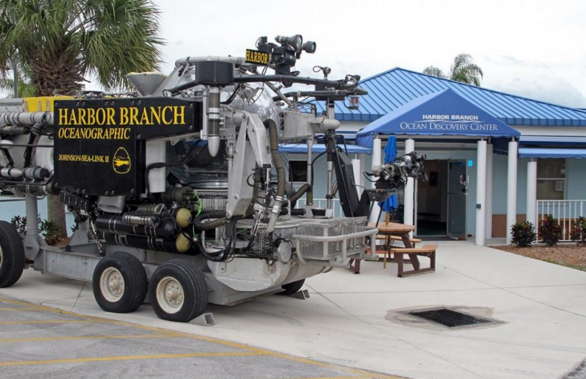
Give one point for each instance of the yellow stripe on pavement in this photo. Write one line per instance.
(9, 309)
(124, 358)
(73, 338)
(46, 322)
(250, 350)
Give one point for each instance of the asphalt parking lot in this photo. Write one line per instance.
(38, 341)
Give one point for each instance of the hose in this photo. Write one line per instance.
(221, 220)
(300, 192)
(274, 145)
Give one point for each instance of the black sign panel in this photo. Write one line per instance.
(100, 144)
(257, 57)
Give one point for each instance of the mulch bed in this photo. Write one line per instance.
(568, 255)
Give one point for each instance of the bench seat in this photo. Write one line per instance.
(426, 250)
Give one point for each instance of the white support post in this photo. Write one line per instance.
(532, 192)
(489, 182)
(409, 189)
(480, 193)
(511, 188)
(376, 163)
(357, 176)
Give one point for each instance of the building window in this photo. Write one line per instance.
(298, 171)
(551, 179)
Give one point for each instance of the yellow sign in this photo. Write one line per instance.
(257, 57)
(94, 133)
(121, 161)
(83, 158)
(122, 116)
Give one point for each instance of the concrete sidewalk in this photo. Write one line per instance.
(352, 319)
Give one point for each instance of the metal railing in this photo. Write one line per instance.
(321, 203)
(566, 212)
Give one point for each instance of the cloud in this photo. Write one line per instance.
(541, 80)
(549, 90)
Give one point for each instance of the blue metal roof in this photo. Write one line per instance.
(391, 89)
(525, 152)
(441, 113)
(565, 141)
(301, 148)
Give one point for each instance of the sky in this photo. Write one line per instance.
(530, 48)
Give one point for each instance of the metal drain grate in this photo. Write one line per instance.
(450, 318)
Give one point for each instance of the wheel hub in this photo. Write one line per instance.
(170, 295)
(174, 294)
(116, 285)
(112, 284)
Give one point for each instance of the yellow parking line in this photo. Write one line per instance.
(72, 338)
(46, 322)
(17, 302)
(250, 349)
(123, 358)
(9, 309)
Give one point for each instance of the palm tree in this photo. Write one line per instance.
(58, 42)
(25, 89)
(462, 70)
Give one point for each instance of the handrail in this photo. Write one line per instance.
(566, 212)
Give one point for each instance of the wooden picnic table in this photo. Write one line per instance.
(392, 229)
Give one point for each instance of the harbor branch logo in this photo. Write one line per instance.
(446, 122)
(121, 161)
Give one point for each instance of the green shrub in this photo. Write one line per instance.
(550, 231)
(50, 232)
(48, 229)
(20, 224)
(579, 231)
(523, 234)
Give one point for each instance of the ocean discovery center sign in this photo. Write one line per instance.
(441, 113)
(448, 122)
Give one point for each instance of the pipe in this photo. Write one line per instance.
(192, 60)
(25, 118)
(177, 194)
(300, 192)
(36, 173)
(298, 212)
(214, 121)
(181, 244)
(167, 228)
(14, 130)
(197, 222)
(31, 189)
(309, 199)
(274, 145)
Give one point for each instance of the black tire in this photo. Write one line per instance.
(184, 279)
(127, 267)
(11, 255)
(291, 288)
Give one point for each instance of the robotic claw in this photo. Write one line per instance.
(394, 174)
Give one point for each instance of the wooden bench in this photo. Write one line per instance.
(385, 250)
(426, 250)
(414, 240)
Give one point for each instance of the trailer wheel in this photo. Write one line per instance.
(119, 283)
(178, 291)
(11, 255)
(291, 288)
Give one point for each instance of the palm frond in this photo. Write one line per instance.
(464, 71)
(433, 71)
(60, 41)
